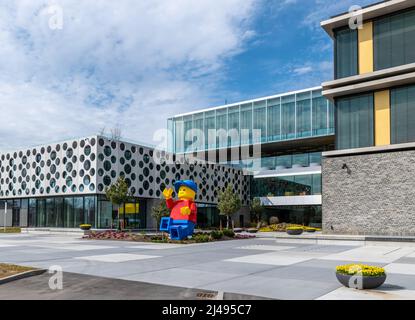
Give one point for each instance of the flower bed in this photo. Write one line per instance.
(214, 235)
(282, 227)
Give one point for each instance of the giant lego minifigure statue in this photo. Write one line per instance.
(183, 212)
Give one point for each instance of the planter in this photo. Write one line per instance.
(85, 227)
(294, 232)
(252, 230)
(367, 282)
(310, 230)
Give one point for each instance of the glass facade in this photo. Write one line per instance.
(70, 212)
(394, 40)
(293, 116)
(305, 215)
(281, 162)
(346, 53)
(354, 117)
(299, 185)
(403, 114)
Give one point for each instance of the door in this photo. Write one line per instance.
(16, 217)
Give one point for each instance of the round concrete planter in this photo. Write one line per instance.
(366, 283)
(295, 232)
(310, 230)
(85, 228)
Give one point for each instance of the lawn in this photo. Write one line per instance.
(7, 270)
(10, 230)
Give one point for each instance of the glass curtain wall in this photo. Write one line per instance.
(354, 122)
(294, 116)
(301, 185)
(394, 40)
(403, 114)
(345, 52)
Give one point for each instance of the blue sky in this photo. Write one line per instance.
(133, 63)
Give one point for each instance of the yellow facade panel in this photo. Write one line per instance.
(366, 48)
(382, 118)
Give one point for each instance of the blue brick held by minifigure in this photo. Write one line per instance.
(165, 224)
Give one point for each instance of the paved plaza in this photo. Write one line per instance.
(254, 267)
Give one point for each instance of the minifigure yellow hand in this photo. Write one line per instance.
(167, 193)
(185, 211)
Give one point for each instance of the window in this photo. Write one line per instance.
(403, 114)
(345, 53)
(222, 127)
(260, 120)
(394, 40)
(210, 134)
(319, 114)
(246, 123)
(304, 114)
(354, 122)
(288, 117)
(233, 126)
(274, 123)
(188, 133)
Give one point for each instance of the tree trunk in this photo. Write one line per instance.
(227, 221)
(220, 223)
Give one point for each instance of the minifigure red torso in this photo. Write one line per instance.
(175, 207)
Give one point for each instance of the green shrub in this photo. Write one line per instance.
(216, 234)
(202, 238)
(274, 220)
(228, 233)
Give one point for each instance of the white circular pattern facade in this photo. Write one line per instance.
(89, 165)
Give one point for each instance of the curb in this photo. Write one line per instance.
(22, 275)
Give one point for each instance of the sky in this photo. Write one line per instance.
(72, 68)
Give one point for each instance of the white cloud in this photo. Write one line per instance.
(303, 70)
(129, 62)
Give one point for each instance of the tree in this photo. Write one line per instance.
(256, 209)
(118, 194)
(228, 204)
(159, 212)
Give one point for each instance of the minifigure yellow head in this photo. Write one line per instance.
(185, 189)
(185, 193)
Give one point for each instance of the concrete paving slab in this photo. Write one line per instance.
(344, 293)
(276, 288)
(181, 277)
(276, 258)
(265, 247)
(401, 268)
(380, 254)
(84, 287)
(116, 257)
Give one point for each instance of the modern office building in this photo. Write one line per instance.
(291, 129)
(369, 180)
(63, 184)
